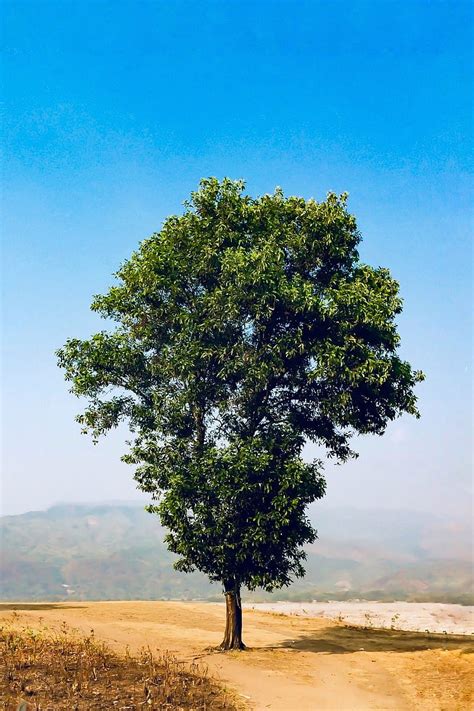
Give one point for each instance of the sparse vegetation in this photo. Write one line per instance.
(394, 620)
(61, 670)
(368, 620)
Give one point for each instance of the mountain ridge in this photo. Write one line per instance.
(116, 551)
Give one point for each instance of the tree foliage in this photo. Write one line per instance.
(241, 329)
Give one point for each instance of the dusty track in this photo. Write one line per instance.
(292, 663)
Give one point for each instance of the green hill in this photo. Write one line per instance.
(107, 552)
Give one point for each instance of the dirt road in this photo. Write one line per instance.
(293, 663)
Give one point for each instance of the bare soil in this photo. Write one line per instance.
(292, 663)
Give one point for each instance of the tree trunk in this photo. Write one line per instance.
(233, 620)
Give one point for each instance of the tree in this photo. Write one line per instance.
(242, 329)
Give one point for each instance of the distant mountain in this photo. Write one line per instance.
(107, 552)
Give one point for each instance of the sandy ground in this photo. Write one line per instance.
(412, 616)
(293, 663)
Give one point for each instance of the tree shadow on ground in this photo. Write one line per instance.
(14, 606)
(347, 640)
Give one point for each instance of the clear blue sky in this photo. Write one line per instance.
(115, 110)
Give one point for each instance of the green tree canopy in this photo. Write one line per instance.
(242, 329)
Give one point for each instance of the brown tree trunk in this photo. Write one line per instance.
(233, 617)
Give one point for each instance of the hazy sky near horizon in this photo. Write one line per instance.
(115, 110)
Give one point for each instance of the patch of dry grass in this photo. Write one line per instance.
(43, 670)
(437, 679)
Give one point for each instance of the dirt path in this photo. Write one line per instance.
(294, 663)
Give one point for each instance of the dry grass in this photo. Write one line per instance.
(60, 670)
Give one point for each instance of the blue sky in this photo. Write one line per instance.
(115, 110)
